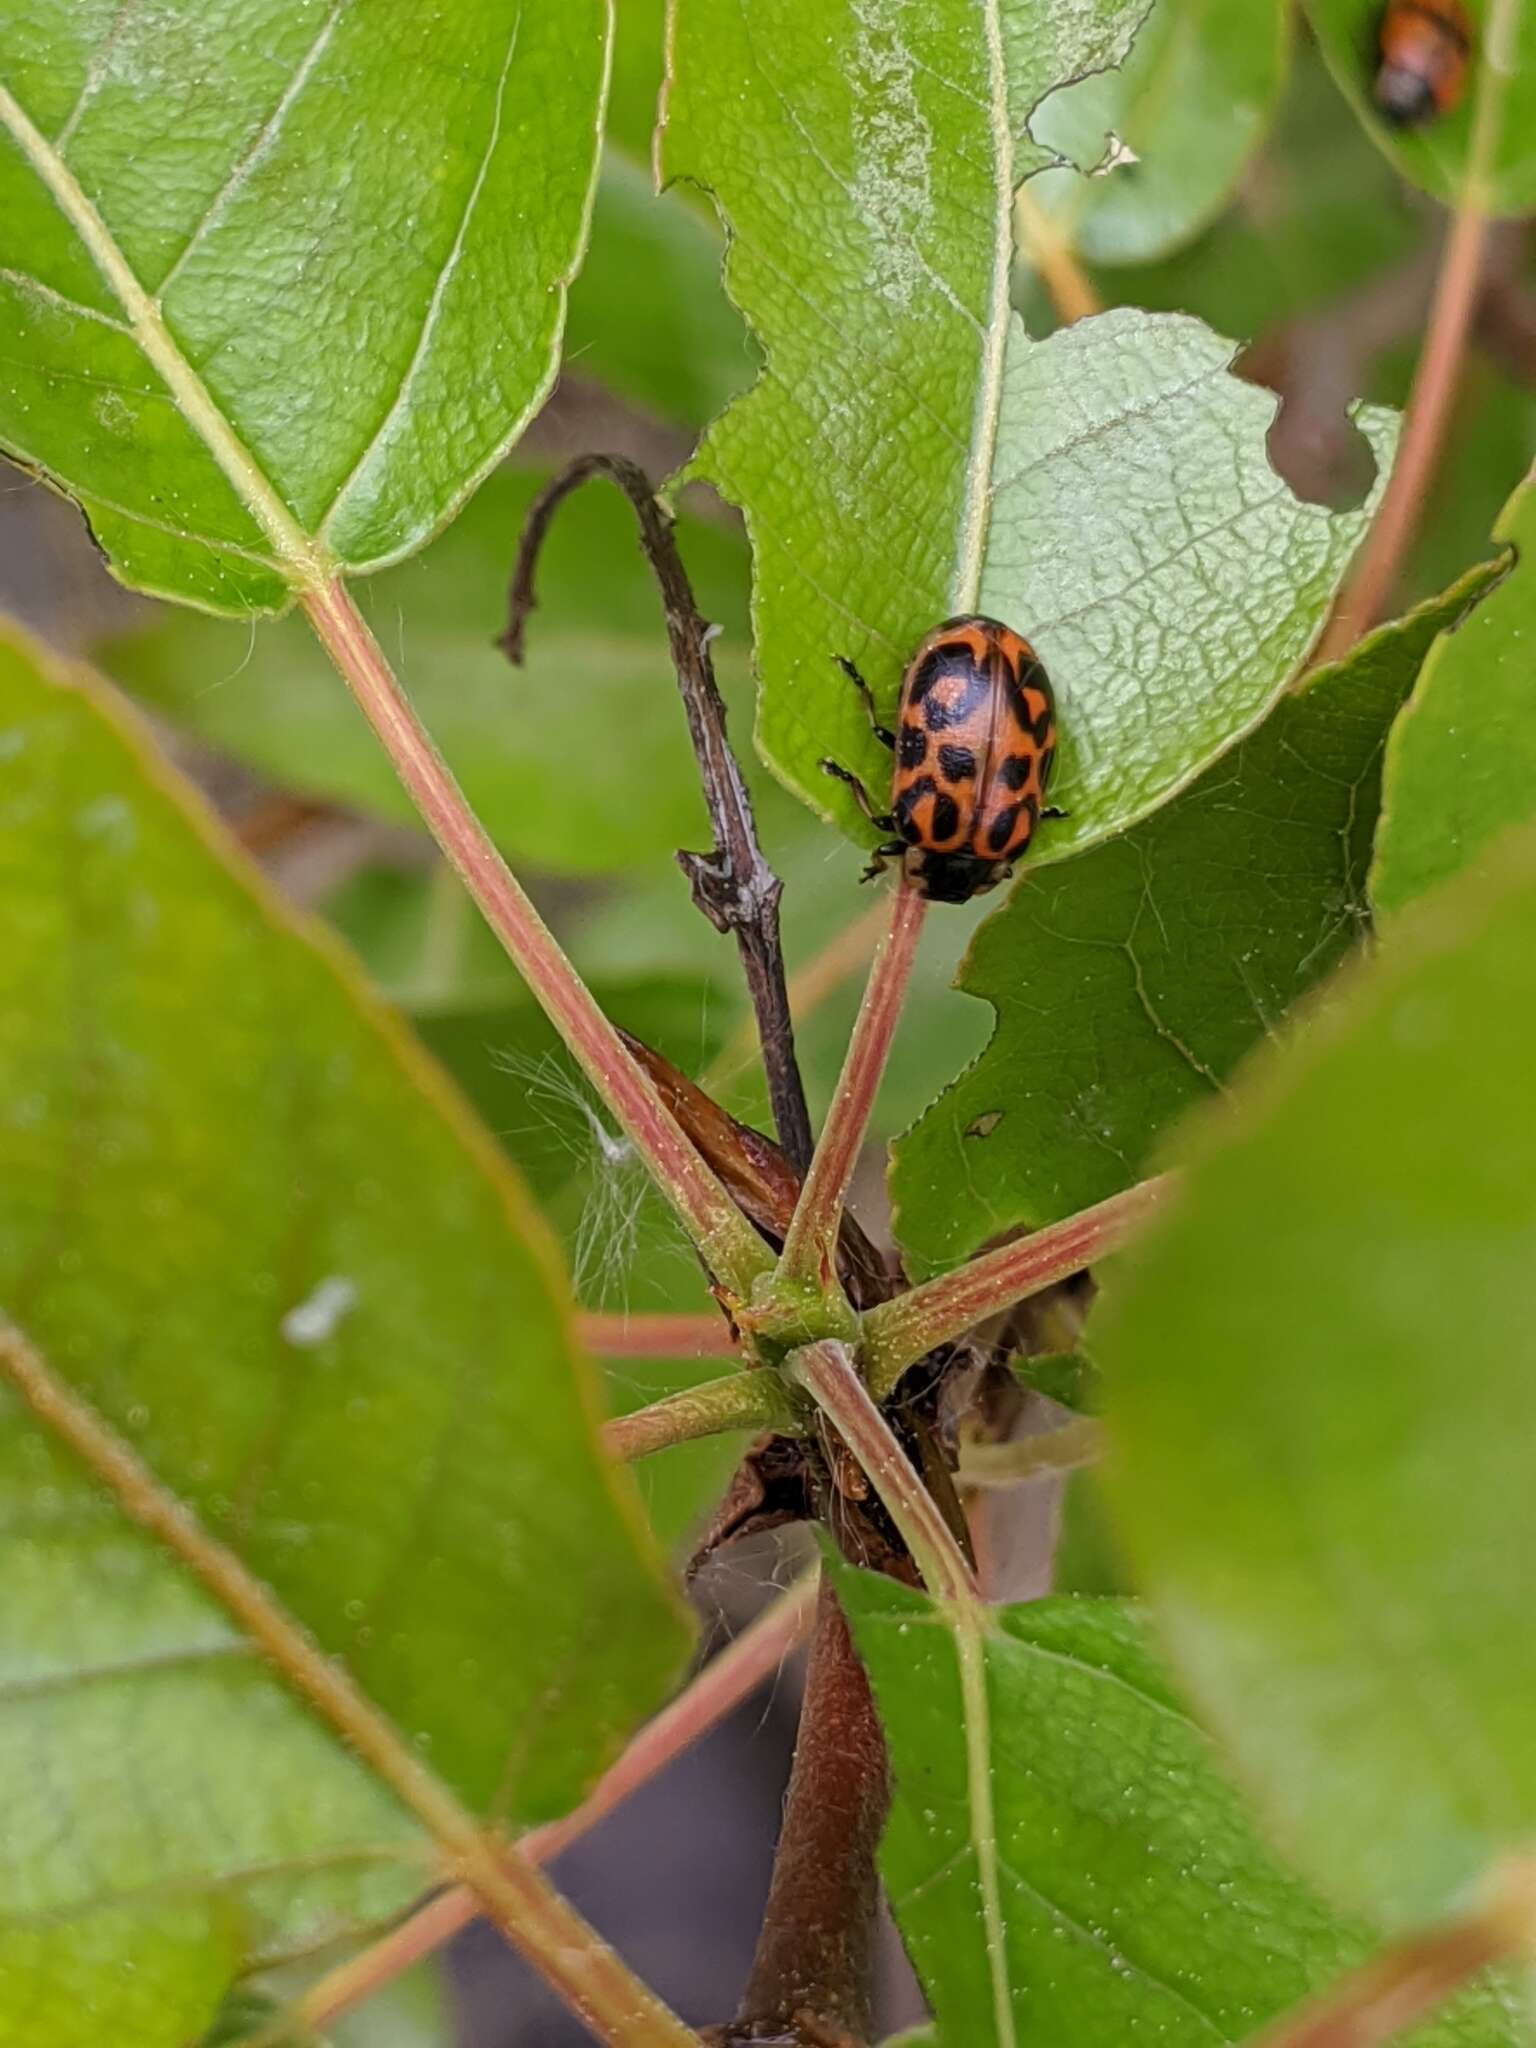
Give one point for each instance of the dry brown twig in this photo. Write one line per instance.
(733, 884)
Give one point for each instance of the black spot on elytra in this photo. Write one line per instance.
(946, 817)
(951, 665)
(912, 746)
(1034, 678)
(907, 803)
(1013, 770)
(940, 713)
(1001, 829)
(957, 764)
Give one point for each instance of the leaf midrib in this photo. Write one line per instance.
(969, 1629)
(307, 565)
(976, 514)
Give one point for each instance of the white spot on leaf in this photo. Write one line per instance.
(315, 1319)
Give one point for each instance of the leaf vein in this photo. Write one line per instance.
(149, 1665)
(33, 287)
(1118, 1961)
(439, 289)
(245, 165)
(95, 72)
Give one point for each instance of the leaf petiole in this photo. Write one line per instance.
(727, 1242)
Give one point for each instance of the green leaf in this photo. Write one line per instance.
(521, 741)
(1191, 104)
(256, 1232)
(1069, 1378)
(649, 315)
(1321, 1388)
(1128, 984)
(1087, 1558)
(621, 1240)
(1319, 216)
(1461, 764)
(422, 941)
(639, 66)
(1491, 435)
(1134, 1899)
(269, 314)
(908, 453)
(1483, 151)
(246, 2015)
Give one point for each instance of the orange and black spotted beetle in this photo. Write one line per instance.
(973, 758)
(1423, 47)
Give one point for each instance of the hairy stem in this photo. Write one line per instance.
(1425, 422)
(733, 885)
(742, 1400)
(726, 1241)
(812, 1976)
(554, 1937)
(810, 1249)
(1405, 1983)
(827, 1373)
(655, 1336)
(898, 1333)
(720, 1687)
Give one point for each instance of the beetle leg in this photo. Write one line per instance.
(881, 732)
(882, 822)
(890, 849)
(1053, 811)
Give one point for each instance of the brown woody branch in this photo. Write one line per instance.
(812, 1978)
(733, 884)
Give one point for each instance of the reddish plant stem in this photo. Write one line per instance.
(812, 1976)
(810, 1249)
(727, 1242)
(742, 1400)
(827, 1373)
(1425, 421)
(656, 1336)
(897, 1333)
(1405, 1983)
(723, 1684)
(809, 986)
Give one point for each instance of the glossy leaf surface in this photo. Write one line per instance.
(908, 454)
(268, 312)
